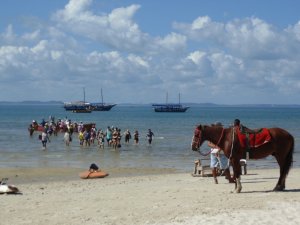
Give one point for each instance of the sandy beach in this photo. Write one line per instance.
(57, 196)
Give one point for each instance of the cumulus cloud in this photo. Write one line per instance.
(206, 60)
(116, 29)
(258, 55)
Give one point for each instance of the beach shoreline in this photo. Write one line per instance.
(162, 198)
(19, 175)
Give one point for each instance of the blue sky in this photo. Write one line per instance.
(224, 52)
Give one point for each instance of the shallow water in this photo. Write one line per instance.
(171, 144)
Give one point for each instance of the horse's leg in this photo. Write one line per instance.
(280, 186)
(283, 148)
(237, 174)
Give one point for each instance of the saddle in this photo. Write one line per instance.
(253, 138)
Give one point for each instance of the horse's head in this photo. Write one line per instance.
(197, 138)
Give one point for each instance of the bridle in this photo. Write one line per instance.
(197, 138)
(198, 135)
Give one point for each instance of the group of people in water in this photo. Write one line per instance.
(112, 136)
(87, 134)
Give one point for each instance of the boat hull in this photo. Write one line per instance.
(169, 108)
(82, 111)
(102, 107)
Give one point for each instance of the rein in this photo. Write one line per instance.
(206, 154)
(220, 137)
(231, 150)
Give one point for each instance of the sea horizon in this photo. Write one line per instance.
(191, 104)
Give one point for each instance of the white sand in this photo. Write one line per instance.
(150, 199)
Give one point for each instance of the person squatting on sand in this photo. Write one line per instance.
(217, 158)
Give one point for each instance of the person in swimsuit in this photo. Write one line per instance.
(136, 137)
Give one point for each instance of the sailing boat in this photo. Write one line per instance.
(101, 106)
(170, 107)
(78, 106)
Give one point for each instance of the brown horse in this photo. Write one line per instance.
(281, 147)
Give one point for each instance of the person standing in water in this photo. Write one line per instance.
(150, 135)
(136, 137)
(44, 138)
(127, 136)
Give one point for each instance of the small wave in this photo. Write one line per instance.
(53, 156)
(159, 138)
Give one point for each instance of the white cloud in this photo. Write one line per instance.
(206, 60)
(35, 35)
(138, 61)
(197, 57)
(8, 36)
(171, 43)
(116, 30)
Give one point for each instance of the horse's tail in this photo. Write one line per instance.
(289, 158)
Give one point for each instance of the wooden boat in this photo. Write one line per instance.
(79, 106)
(86, 110)
(101, 106)
(170, 107)
(40, 128)
(92, 175)
(76, 106)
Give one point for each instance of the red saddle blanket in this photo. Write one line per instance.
(254, 140)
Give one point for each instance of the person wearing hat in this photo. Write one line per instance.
(218, 159)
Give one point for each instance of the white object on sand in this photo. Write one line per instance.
(8, 189)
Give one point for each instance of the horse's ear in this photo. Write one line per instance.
(199, 127)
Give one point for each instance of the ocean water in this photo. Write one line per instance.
(171, 144)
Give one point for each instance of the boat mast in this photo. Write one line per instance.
(167, 98)
(101, 96)
(179, 97)
(83, 95)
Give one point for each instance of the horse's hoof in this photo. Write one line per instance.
(238, 190)
(278, 188)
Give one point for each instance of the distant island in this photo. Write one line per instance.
(150, 104)
(33, 102)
